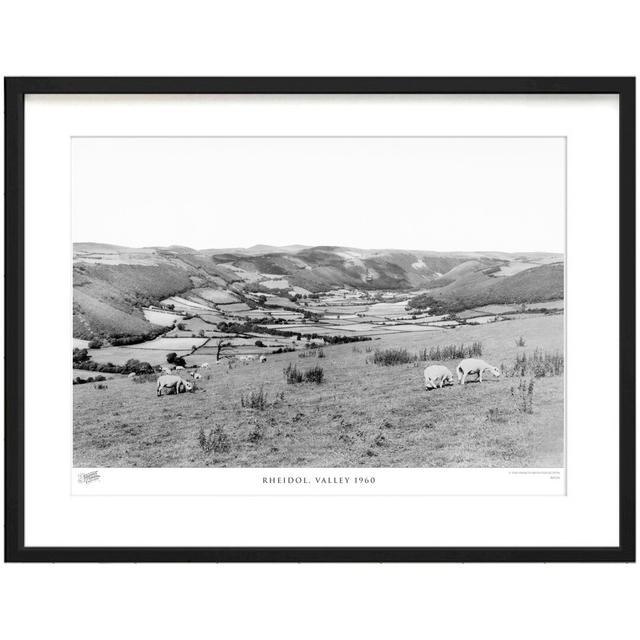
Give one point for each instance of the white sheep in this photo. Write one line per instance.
(436, 376)
(131, 375)
(197, 376)
(204, 365)
(263, 358)
(179, 368)
(172, 382)
(475, 366)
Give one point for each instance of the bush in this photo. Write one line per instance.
(391, 357)
(172, 358)
(315, 374)
(520, 342)
(320, 353)
(95, 343)
(259, 343)
(452, 352)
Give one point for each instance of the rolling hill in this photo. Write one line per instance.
(112, 284)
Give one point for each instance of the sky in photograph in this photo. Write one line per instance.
(440, 194)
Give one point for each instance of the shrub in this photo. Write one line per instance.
(100, 386)
(520, 342)
(95, 343)
(315, 374)
(217, 440)
(320, 353)
(293, 375)
(390, 357)
(451, 352)
(259, 343)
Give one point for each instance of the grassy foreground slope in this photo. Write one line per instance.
(362, 415)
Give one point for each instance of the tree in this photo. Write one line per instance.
(201, 333)
(259, 343)
(80, 355)
(222, 346)
(95, 343)
(171, 357)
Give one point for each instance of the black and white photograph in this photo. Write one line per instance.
(318, 302)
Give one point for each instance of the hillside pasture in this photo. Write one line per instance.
(161, 318)
(216, 296)
(362, 415)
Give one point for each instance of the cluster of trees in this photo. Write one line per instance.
(82, 360)
(435, 306)
(79, 380)
(122, 340)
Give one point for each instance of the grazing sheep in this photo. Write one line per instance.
(179, 368)
(204, 365)
(263, 358)
(165, 370)
(173, 383)
(197, 376)
(475, 366)
(436, 376)
(131, 375)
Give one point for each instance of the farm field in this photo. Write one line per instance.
(361, 415)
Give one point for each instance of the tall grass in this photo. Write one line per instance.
(254, 400)
(451, 352)
(539, 364)
(524, 395)
(391, 357)
(292, 374)
(315, 374)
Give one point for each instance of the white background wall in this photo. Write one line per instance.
(329, 38)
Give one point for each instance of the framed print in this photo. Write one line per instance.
(320, 319)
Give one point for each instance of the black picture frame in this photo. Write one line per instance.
(15, 91)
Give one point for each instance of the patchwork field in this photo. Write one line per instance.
(361, 415)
